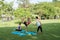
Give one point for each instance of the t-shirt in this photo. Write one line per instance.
(19, 27)
(37, 22)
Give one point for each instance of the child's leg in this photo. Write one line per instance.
(37, 29)
(18, 30)
(25, 23)
(40, 28)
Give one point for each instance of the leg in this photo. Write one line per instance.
(37, 29)
(18, 30)
(25, 23)
(40, 28)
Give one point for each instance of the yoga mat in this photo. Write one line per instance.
(24, 33)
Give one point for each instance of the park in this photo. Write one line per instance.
(30, 20)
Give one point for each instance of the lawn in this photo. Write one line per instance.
(51, 31)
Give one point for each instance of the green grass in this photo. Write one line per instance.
(51, 31)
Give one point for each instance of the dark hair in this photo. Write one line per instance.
(36, 17)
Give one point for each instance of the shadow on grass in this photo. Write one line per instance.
(51, 31)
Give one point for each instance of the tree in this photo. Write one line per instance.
(23, 3)
(22, 12)
(46, 10)
(6, 8)
(55, 0)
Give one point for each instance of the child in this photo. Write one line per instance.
(26, 23)
(19, 27)
(38, 23)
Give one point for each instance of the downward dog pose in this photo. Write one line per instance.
(26, 23)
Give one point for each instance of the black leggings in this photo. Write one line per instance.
(18, 30)
(25, 23)
(39, 27)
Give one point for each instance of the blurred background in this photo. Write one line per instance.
(15, 9)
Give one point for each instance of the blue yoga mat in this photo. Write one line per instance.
(32, 33)
(23, 33)
(15, 32)
(19, 33)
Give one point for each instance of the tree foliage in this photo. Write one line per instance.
(6, 8)
(47, 9)
(25, 9)
(22, 12)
